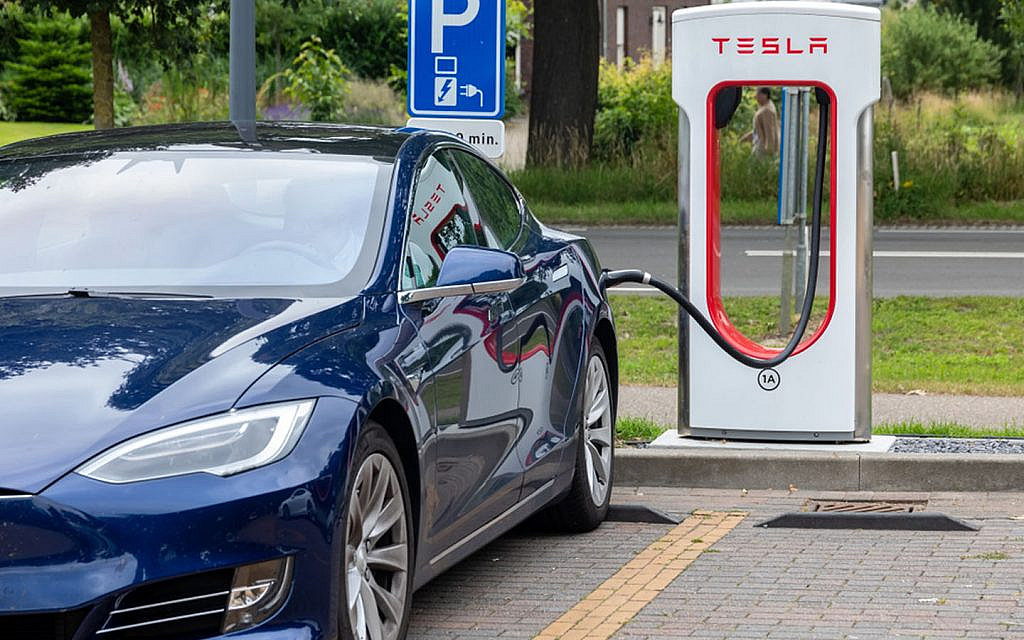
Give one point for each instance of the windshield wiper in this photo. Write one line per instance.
(94, 293)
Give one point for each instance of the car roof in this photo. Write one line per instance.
(314, 138)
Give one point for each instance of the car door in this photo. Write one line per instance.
(549, 320)
(471, 369)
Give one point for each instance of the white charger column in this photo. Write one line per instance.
(823, 392)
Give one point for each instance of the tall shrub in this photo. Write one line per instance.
(50, 81)
(369, 35)
(926, 50)
(634, 110)
(318, 80)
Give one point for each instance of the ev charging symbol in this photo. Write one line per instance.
(768, 379)
(446, 84)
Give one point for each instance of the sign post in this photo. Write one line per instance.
(457, 69)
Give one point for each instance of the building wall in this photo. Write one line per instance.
(639, 30)
(639, 26)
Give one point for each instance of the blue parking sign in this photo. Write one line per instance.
(457, 58)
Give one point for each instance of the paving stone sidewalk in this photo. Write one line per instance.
(659, 404)
(754, 583)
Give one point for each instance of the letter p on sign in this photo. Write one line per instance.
(440, 20)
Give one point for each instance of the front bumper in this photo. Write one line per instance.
(80, 549)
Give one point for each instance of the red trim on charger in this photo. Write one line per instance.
(714, 246)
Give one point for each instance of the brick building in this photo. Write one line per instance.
(635, 27)
(630, 28)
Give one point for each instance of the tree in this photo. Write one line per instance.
(925, 50)
(1012, 15)
(168, 24)
(49, 80)
(566, 53)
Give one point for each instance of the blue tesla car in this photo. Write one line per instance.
(266, 381)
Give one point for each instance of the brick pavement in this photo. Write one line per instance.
(754, 583)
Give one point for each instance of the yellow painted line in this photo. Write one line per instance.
(635, 585)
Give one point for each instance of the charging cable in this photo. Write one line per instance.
(615, 278)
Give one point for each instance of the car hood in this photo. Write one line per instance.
(78, 375)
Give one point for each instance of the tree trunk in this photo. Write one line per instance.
(102, 70)
(563, 100)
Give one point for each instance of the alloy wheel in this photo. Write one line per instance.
(597, 429)
(376, 552)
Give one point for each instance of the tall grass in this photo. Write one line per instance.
(956, 154)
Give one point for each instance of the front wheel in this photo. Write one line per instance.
(586, 505)
(378, 560)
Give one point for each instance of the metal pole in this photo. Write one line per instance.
(788, 176)
(801, 198)
(683, 276)
(243, 60)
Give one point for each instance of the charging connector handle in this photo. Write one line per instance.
(615, 278)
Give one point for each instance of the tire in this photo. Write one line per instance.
(586, 504)
(377, 542)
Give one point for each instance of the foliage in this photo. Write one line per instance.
(951, 152)
(373, 102)
(1012, 15)
(517, 20)
(50, 81)
(167, 26)
(13, 25)
(634, 105)
(318, 79)
(126, 111)
(926, 50)
(6, 114)
(369, 35)
(194, 92)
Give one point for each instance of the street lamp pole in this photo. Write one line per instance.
(243, 60)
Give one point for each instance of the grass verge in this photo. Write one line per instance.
(946, 430)
(966, 345)
(634, 430)
(734, 212)
(17, 131)
(629, 429)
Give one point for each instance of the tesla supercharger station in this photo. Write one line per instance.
(823, 392)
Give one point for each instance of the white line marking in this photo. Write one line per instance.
(758, 253)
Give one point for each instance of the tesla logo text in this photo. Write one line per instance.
(773, 46)
(428, 207)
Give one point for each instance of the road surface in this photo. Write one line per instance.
(932, 262)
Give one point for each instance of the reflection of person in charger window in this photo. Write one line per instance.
(765, 134)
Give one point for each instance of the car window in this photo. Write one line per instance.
(197, 221)
(492, 200)
(439, 219)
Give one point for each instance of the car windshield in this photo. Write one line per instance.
(198, 222)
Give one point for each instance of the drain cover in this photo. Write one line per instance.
(865, 506)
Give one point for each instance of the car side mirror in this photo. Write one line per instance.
(467, 270)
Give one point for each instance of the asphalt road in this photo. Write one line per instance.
(907, 262)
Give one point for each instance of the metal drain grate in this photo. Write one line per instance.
(865, 506)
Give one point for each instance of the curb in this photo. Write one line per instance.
(818, 471)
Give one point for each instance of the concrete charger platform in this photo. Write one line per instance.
(679, 462)
(672, 461)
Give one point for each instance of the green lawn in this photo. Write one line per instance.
(747, 212)
(969, 345)
(15, 131)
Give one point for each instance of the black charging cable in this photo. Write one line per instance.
(615, 278)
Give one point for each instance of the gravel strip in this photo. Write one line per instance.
(958, 445)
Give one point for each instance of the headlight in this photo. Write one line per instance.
(222, 445)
